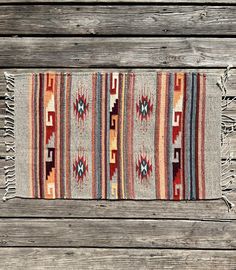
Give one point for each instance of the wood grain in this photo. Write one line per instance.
(185, 210)
(113, 52)
(167, 20)
(119, 259)
(117, 233)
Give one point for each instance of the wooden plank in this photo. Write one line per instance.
(117, 52)
(142, 233)
(187, 210)
(119, 20)
(119, 259)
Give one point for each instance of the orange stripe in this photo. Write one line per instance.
(161, 138)
(160, 171)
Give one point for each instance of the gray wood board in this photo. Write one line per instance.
(119, 20)
(142, 233)
(215, 210)
(119, 259)
(116, 52)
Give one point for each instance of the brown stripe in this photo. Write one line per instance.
(58, 86)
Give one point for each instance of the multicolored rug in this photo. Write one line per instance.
(98, 135)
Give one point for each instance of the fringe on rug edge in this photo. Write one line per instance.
(228, 126)
(9, 135)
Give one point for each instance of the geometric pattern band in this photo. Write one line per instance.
(117, 135)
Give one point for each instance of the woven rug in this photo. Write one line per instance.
(110, 135)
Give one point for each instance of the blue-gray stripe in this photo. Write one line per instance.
(187, 158)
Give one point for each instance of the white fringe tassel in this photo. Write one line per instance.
(228, 126)
(9, 126)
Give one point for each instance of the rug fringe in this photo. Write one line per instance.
(228, 126)
(9, 135)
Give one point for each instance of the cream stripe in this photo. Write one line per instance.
(162, 137)
(31, 125)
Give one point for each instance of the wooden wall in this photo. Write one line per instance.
(72, 35)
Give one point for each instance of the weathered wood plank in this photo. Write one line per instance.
(141, 233)
(117, 52)
(187, 210)
(119, 259)
(118, 20)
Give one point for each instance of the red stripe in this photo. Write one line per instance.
(41, 130)
(119, 184)
(165, 132)
(183, 136)
(156, 141)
